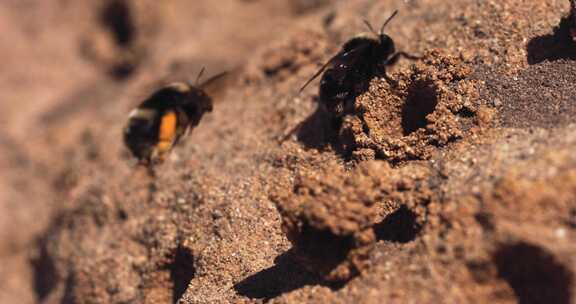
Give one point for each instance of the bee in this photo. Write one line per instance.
(162, 119)
(348, 73)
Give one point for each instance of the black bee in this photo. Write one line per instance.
(161, 120)
(348, 73)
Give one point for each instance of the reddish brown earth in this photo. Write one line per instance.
(457, 185)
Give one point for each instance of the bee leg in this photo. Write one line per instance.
(394, 59)
(380, 71)
(410, 56)
(390, 81)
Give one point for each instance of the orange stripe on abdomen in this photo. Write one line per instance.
(167, 130)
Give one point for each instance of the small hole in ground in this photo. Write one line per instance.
(401, 226)
(44, 269)
(554, 46)
(123, 70)
(486, 220)
(534, 274)
(45, 275)
(323, 246)
(117, 18)
(421, 100)
(181, 271)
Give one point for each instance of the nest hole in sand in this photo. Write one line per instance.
(534, 274)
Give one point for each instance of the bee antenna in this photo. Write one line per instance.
(388, 21)
(200, 76)
(367, 23)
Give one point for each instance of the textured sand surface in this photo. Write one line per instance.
(456, 185)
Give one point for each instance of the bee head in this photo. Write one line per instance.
(385, 41)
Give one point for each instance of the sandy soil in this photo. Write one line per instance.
(456, 185)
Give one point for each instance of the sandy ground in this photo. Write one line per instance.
(455, 185)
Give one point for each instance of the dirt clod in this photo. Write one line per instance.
(328, 218)
(431, 106)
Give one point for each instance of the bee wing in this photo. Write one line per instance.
(324, 66)
(217, 85)
(340, 58)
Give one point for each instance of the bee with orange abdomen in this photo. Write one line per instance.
(162, 119)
